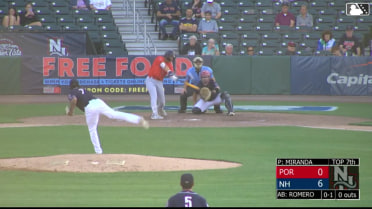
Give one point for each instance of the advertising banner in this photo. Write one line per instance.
(352, 76)
(42, 43)
(101, 75)
(309, 75)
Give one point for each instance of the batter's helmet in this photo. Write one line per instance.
(168, 55)
(74, 83)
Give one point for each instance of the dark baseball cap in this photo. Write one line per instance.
(349, 27)
(187, 180)
(285, 4)
(292, 44)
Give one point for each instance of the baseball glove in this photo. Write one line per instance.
(205, 93)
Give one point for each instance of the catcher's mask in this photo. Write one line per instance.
(198, 62)
(205, 75)
(74, 83)
(169, 55)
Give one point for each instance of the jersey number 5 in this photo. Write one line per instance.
(188, 201)
(82, 91)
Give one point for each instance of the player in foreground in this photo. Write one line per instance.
(187, 198)
(210, 95)
(93, 108)
(161, 67)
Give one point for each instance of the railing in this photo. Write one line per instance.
(140, 28)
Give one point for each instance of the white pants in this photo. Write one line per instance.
(94, 109)
(204, 105)
(156, 91)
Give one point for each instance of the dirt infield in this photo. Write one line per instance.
(114, 163)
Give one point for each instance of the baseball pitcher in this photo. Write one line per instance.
(94, 107)
(210, 95)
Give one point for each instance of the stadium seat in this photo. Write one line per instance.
(244, 5)
(308, 44)
(325, 20)
(319, 4)
(59, 3)
(322, 27)
(364, 20)
(226, 27)
(230, 11)
(52, 27)
(110, 35)
(89, 27)
(266, 19)
(263, 27)
(312, 36)
(244, 44)
(115, 51)
(17, 3)
(270, 43)
(268, 11)
(329, 11)
(270, 36)
(63, 19)
(47, 19)
(227, 3)
(229, 35)
(207, 36)
(42, 11)
(263, 4)
(248, 19)
(283, 29)
(35, 28)
(39, 3)
(250, 36)
(61, 11)
(347, 20)
(71, 27)
(244, 27)
(248, 12)
(292, 37)
(230, 19)
(265, 51)
(83, 20)
(304, 52)
(107, 27)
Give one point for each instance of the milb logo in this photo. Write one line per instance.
(357, 9)
(344, 177)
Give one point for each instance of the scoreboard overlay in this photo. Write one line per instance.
(317, 178)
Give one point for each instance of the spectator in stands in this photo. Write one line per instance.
(80, 4)
(229, 49)
(169, 14)
(211, 48)
(188, 24)
(304, 19)
(12, 18)
(291, 48)
(192, 48)
(213, 7)
(28, 17)
(207, 24)
(196, 6)
(326, 42)
(285, 17)
(349, 44)
(250, 50)
(100, 4)
(336, 51)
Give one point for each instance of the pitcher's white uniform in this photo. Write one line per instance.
(93, 108)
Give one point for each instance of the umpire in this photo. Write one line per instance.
(187, 198)
(193, 77)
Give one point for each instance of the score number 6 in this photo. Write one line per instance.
(320, 182)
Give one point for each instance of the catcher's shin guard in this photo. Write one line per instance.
(196, 110)
(228, 103)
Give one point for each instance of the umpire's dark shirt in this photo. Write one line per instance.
(187, 199)
(83, 97)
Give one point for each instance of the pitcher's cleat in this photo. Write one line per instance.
(144, 123)
(231, 114)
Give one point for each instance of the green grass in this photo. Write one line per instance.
(252, 184)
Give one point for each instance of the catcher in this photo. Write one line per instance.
(210, 95)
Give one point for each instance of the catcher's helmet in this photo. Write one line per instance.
(74, 83)
(205, 74)
(168, 55)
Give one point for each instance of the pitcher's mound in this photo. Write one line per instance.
(110, 163)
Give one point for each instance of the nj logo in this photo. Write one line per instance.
(344, 177)
(357, 9)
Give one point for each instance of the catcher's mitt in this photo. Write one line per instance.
(205, 93)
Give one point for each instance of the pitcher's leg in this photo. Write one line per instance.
(92, 119)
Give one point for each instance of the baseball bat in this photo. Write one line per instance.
(192, 86)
